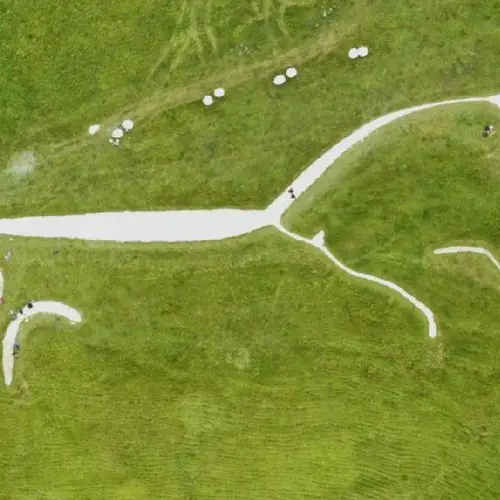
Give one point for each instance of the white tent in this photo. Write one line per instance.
(117, 133)
(291, 72)
(93, 129)
(363, 51)
(279, 79)
(353, 53)
(127, 125)
(208, 100)
(219, 92)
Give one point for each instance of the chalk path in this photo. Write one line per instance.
(169, 226)
(319, 243)
(480, 250)
(44, 307)
(200, 225)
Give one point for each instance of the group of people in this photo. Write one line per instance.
(15, 315)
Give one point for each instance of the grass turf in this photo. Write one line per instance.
(246, 369)
(252, 368)
(427, 181)
(68, 67)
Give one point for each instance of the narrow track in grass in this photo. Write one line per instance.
(318, 242)
(465, 249)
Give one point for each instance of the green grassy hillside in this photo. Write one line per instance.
(244, 370)
(252, 368)
(66, 67)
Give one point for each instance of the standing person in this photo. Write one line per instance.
(292, 193)
(30, 304)
(488, 130)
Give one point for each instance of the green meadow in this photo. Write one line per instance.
(252, 368)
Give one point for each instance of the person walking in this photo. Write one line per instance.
(488, 130)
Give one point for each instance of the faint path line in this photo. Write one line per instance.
(267, 8)
(153, 104)
(194, 31)
(277, 294)
(318, 242)
(166, 51)
(480, 250)
(180, 53)
(281, 20)
(209, 31)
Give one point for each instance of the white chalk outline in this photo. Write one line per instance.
(40, 307)
(219, 224)
(318, 242)
(201, 225)
(462, 249)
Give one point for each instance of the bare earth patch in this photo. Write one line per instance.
(22, 163)
(239, 358)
